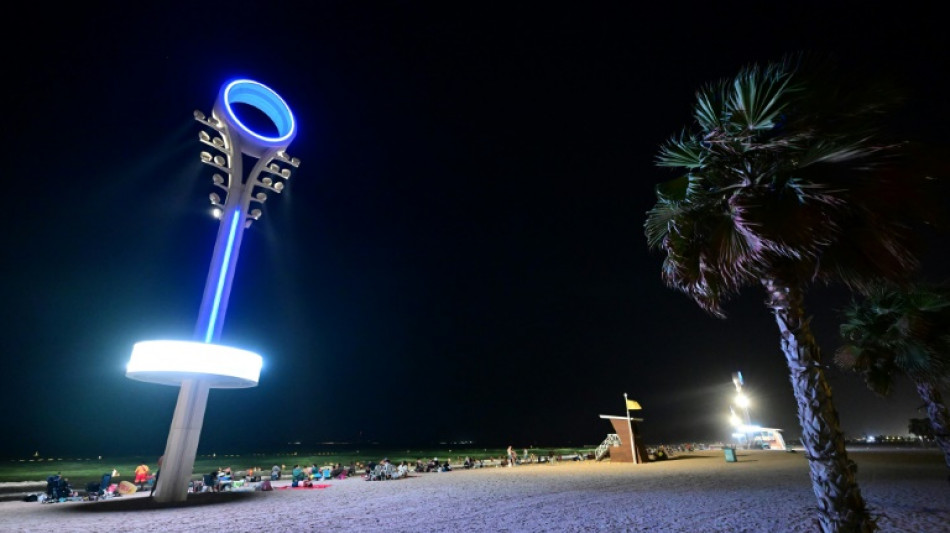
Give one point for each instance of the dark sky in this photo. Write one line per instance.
(460, 254)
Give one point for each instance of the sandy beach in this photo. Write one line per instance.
(763, 491)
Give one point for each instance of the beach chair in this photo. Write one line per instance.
(96, 490)
(52, 483)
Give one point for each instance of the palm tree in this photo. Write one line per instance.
(906, 332)
(785, 184)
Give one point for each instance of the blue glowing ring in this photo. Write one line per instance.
(267, 101)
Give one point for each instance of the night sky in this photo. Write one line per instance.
(460, 255)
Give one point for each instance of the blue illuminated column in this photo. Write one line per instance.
(201, 365)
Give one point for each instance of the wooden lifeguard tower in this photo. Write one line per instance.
(624, 445)
(627, 433)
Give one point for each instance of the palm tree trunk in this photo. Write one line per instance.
(939, 417)
(840, 505)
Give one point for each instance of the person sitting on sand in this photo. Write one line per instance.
(224, 479)
(401, 471)
(275, 473)
(212, 480)
(370, 467)
(337, 472)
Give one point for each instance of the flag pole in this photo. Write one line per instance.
(633, 443)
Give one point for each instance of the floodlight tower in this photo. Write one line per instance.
(742, 401)
(200, 365)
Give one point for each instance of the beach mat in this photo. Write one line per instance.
(314, 486)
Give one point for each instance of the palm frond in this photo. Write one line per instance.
(784, 173)
(888, 334)
(760, 95)
(710, 107)
(681, 151)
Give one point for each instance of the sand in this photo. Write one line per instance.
(764, 491)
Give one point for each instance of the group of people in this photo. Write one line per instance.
(433, 465)
(307, 474)
(384, 470)
(222, 478)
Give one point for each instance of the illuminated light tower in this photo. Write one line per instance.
(200, 365)
(742, 401)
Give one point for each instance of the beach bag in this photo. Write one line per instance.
(126, 488)
(265, 485)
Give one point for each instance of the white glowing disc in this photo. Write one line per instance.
(171, 362)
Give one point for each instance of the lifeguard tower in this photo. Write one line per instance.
(618, 446)
(624, 444)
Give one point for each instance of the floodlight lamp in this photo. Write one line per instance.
(255, 214)
(199, 115)
(218, 179)
(273, 167)
(217, 141)
(267, 181)
(742, 400)
(285, 173)
(215, 199)
(261, 197)
(219, 160)
(205, 157)
(284, 156)
(217, 212)
(279, 186)
(203, 135)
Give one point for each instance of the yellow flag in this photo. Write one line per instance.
(632, 405)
